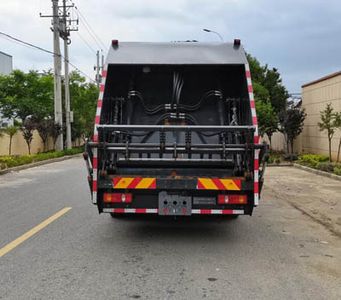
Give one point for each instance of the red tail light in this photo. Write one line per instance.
(232, 199)
(114, 43)
(117, 198)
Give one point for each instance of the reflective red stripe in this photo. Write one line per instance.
(256, 187)
(218, 183)
(116, 180)
(95, 138)
(252, 103)
(250, 89)
(248, 74)
(97, 118)
(99, 103)
(227, 212)
(94, 162)
(238, 183)
(94, 184)
(104, 73)
(256, 164)
(254, 120)
(256, 139)
(153, 185)
(141, 210)
(205, 211)
(134, 183)
(200, 186)
(101, 87)
(119, 210)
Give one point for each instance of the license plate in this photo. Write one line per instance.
(174, 205)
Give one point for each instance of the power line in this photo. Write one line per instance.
(90, 30)
(44, 50)
(26, 43)
(86, 43)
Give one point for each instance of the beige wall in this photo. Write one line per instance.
(278, 143)
(19, 146)
(315, 97)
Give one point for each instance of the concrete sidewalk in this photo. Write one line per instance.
(317, 196)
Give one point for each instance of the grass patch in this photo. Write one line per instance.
(275, 157)
(320, 162)
(10, 161)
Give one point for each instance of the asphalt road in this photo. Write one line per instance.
(278, 253)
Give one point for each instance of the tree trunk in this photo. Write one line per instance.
(270, 137)
(29, 148)
(10, 145)
(338, 151)
(330, 149)
(292, 146)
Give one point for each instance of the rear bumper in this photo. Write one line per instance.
(193, 212)
(199, 194)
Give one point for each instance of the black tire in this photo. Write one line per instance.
(234, 217)
(116, 215)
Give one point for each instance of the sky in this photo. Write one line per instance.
(301, 38)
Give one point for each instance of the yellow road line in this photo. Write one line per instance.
(32, 232)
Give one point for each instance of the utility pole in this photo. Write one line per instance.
(58, 113)
(65, 35)
(61, 29)
(98, 80)
(99, 67)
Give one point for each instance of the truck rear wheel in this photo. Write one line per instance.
(234, 216)
(116, 215)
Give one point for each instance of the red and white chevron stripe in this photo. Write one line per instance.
(256, 136)
(95, 137)
(194, 211)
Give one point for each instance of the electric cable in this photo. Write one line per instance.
(23, 43)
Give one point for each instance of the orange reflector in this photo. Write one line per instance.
(117, 198)
(232, 199)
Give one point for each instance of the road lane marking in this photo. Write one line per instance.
(10, 246)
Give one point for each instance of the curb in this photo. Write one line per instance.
(280, 165)
(317, 172)
(38, 163)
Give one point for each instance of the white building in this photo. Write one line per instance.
(6, 63)
(6, 67)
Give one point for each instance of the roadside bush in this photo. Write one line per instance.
(312, 160)
(18, 160)
(74, 151)
(325, 166)
(290, 157)
(337, 169)
(275, 157)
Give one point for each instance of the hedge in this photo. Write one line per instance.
(9, 161)
(320, 162)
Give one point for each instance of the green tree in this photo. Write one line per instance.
(270, 95)
(55, 130)
(277, 92)
(268, 85)
(267, 119)
(10, 131)
(44, 129)
(291, 124)
(27, 131)
(338, 126)
(84, 97)
(26, 94)
(328, 123)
